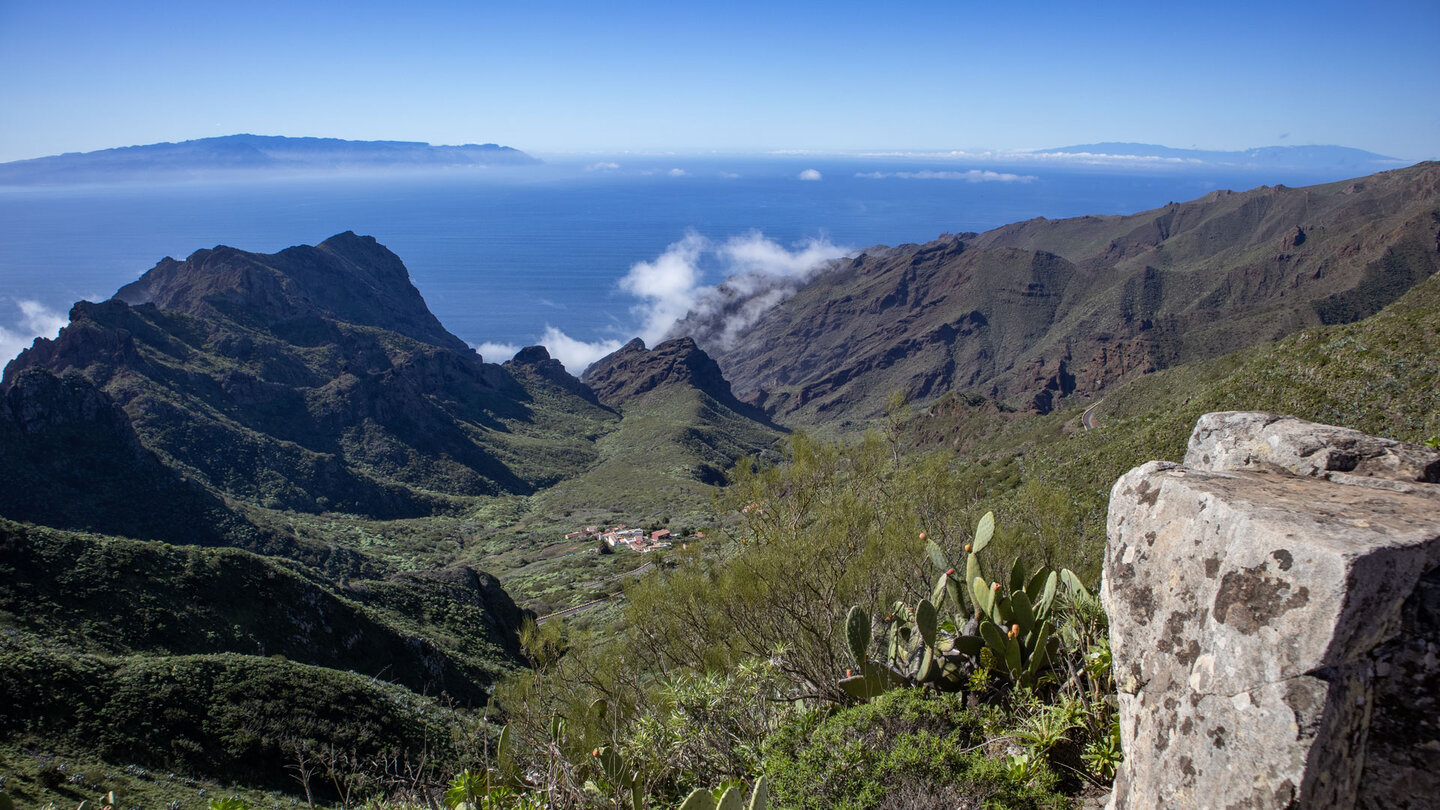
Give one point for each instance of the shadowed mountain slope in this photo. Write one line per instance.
(128, 597)
(1041, 310)
(315, 379)
(72, 460)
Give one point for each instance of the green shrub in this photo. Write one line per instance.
(906, 747)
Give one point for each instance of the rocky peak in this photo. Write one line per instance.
(536, 362)
(346, 278)
(633, 370)
(92, 337)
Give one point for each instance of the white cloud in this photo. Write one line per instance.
(667, 286)
(758, 273)
(576, 355)
(1038, 156)
(677, 172)
(497, 352)
(754, 268)
(36, 320)
(971, 176)
(810, 174)
(753, 254)
(603, 166)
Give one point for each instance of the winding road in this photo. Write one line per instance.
(1087, 419)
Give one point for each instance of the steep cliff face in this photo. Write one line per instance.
(1041, 310)
(1274, 624)
(315, 379)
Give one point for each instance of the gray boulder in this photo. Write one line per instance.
(1275, 620)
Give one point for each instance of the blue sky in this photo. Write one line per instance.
(555, 77)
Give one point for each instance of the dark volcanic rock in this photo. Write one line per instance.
(347, 278)
(632, 371)
(316, 379)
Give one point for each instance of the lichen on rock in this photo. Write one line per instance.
(1275, 620)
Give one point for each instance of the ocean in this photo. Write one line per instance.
(516, 256)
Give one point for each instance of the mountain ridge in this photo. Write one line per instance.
(311, 379)
(245, 153)
(1037, 311)
(346, 277)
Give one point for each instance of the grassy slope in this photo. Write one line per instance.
(225, 715)
(659, 468)
(1380, 375)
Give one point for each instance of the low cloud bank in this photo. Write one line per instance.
(759, 273)
(575, 355)
(1048, 157)
(971, 176)
(674, 297)
(492, 352)
(36, 320)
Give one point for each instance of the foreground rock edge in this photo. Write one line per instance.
(1274, 620)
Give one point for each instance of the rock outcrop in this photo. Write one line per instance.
(632, 371)
(1275, 620)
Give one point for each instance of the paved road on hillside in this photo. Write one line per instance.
(1087, 419)
(577, 609)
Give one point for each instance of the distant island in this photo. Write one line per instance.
(233, 154)
(1269, 157)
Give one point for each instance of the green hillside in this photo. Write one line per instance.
(266, 531)
(212, 661)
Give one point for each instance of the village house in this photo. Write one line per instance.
(622, 535)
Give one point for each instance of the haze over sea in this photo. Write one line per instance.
(580, 254)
